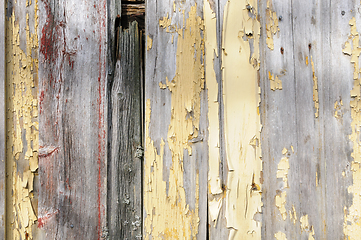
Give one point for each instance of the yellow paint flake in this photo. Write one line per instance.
(240, 63)
(338, 109)
(282, 171)
(149, 43)
(280, 200)
(275, 82)
(165, 22)
(271, 25)
(280, 236)
(293, 214)
(315, 89)
(167, 214)
(305, 226)
(352, 226)
(22, 125)
(162, 85)
(307, 60)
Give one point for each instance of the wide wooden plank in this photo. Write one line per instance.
(175, 172)
(73, 103)
(2, 120)
(125, 164)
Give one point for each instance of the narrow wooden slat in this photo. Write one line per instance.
(278, 114)
(2, 120)
(73, 102)
(125, 167)
(175, 172)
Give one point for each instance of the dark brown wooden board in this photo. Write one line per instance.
(125, 164)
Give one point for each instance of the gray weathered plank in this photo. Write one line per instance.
(175, 172)
(73, 102)
(125, 164)
(278, 114)
(2, 120)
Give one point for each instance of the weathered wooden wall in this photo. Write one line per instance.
(250, 120)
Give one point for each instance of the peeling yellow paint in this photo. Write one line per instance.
(281, 204)
(22, 125)
(282, 171)
(167, 213)
(149, 43)
(275, 82)
(210, 28)
(338, 109)
(280, 236)
(271, 24)
(352, 226)
(240, 63)
(307, 60)
(305, 226)
(293, 214)
(315, 88)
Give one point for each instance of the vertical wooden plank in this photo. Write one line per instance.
(22, 119)
(175, 172)
(73, 102)
(125, 167)
(346, 87)
(278, 113)
(2, 120)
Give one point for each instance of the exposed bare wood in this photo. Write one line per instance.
(73, 103)
(125, 166)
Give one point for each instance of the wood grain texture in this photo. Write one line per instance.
(310, 33)
(175, 178)
(2, 119)
(125, 164)
(73, 103)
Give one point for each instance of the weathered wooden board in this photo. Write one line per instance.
(305, 192)
(175, 172)
(2, 120)
(21, 119)
(278, 112)
(125, 164)
(73, 103)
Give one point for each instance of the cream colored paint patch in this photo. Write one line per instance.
(352, 226)
(149, 43)
(210, 27)
(280, 236)
(22, 126)
(271, 24)
(241, 116)
(275, 82)
(315, 88)
(305, 226)
(293, 214)
(280, 200)
(338, 109)
(167, 214)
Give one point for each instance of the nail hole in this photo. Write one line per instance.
(280, 18)
(343, 13)
(309, 46)
(282, 50)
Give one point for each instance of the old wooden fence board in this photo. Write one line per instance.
(125, 164)
(73, 111)
(2, 120)
(175, 173)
